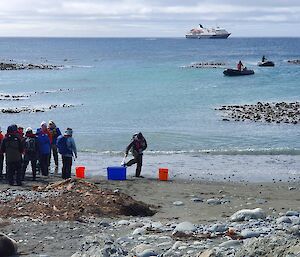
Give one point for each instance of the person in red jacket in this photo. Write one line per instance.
(240, 66)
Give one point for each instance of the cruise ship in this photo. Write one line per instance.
(202, 32)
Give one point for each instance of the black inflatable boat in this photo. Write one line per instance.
(233, 72)
(266, 64)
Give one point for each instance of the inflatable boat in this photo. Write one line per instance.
(234, 72)
(266, 64)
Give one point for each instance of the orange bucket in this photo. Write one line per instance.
(163, 174)
(80, 171)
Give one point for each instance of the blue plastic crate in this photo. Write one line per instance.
(116, 173)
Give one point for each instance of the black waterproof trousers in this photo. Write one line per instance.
(44, 164)
(33, 167)
(138, 159)
(14, 169)
(66, 168)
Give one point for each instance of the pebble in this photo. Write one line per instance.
(231, 243)
(213, 201)
(185, 227)
(218, 228)
(196, 199)
(178, 203)
(247, 233)
(176, 245)
(123, 222)
(139, 231)
(284, 219)
(292, 213)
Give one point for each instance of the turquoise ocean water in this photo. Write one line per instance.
(121, 86)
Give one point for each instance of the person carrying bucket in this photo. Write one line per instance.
(67, 148)
(137, 145)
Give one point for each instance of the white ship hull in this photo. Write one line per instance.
(207, 36)
(201, 32)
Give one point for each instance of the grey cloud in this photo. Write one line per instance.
(156, 15)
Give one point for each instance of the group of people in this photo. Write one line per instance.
(19, 149)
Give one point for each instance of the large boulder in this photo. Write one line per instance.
(8, 246)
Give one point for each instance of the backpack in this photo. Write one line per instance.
(139, 144)
(30, 145)
(62, 145)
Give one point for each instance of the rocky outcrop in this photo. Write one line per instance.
(34, 109)
(296, 61)
(263, 112)
(200, 65)
(29, 66)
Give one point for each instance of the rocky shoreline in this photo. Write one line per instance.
(282, 112)
(246, 227)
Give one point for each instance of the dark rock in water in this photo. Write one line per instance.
(34, 109)
(296, 61)
(8, 246)
(206, 65)
(264, 112)
(30, 66)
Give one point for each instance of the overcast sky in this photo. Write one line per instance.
(152, 18)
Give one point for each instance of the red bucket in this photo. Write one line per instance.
(80, 172)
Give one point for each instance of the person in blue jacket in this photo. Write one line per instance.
(67, 148)
(44, 148)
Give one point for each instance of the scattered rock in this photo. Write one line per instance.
(177, 203)
(218, 228)
(246, 214)
(284, 219)
(231, 243)
(185, 227)
(247, 233)
(213, 201)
